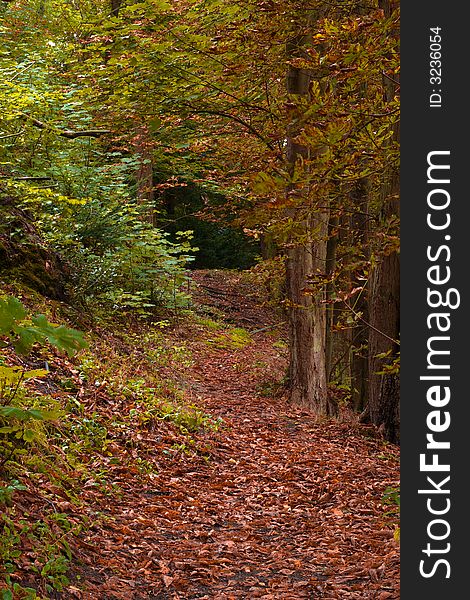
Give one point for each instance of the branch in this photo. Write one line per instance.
(268, 327)
(358, 316)
(222, 91)
(71, 135)
(391, 79)
(68, 133)
(10, 135)
(23, 69)
(237, 119)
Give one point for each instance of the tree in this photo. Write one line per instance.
(306, 249)
(384, 308)
(288, 111)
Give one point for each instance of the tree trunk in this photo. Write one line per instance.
(384, 307)
(359, 361)
(115, 6)
(306, 257)
(330, 266)
(307, 327)
(268, 246)
(384, 313)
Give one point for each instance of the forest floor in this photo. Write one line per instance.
(260, 499)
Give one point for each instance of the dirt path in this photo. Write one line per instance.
(285, 507)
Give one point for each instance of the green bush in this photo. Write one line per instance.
(21, 417)
(116, 257)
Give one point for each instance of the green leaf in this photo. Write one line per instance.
(35, 373)
(46, 415)
(10, 376)
(8, 429)
(38, 329)
(13, 412)
(29, 435)
(11, 311)
(20, 414)
(155, 124)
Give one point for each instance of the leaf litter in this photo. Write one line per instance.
(273, 503)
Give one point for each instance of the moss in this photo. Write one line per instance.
(24, 257)
(232, 340)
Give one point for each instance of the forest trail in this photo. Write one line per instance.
(284, 507)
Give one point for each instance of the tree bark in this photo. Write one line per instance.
(359, 362)
(115, 6)
(330, 265)
(307, 328)
(306, 257)
(384, 313)
(268, 246)
(384, 307)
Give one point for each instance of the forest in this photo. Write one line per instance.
(199, 299)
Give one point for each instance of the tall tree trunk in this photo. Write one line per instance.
(115, 6)
(384, 313)
(306, 257)
(384, 307)
(307, 328)
(268, 246)
(359, 361)
(330, 266)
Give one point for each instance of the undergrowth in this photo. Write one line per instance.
(73, 421)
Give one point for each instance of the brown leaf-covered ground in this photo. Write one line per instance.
(285, 506)
(273, 503)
